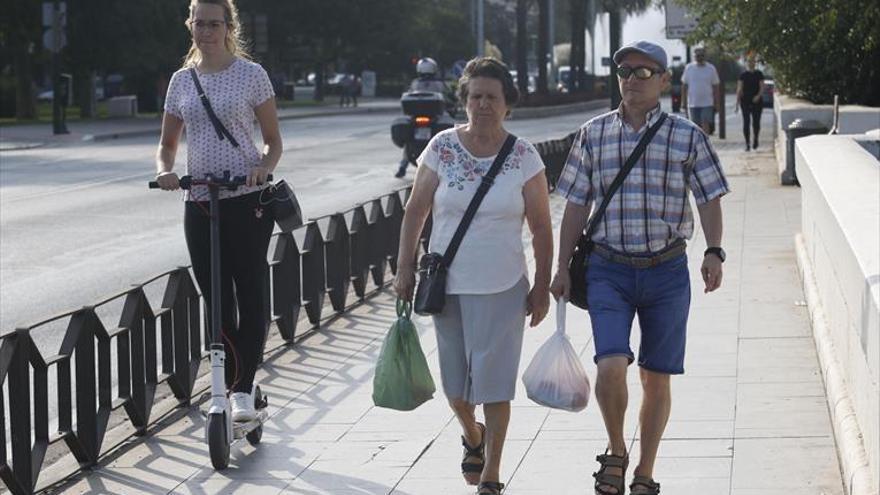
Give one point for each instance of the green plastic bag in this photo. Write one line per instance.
(403, 380)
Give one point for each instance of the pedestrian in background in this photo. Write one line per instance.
(355, 89)
(480, 330)
(239, 91)
(638, 265)
(345, 90)
(701, 91)
(749, 90)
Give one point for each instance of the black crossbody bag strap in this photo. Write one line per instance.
(218, 126)
(621, 176)
(482, 189)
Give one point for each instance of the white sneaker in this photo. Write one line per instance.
(242, 407)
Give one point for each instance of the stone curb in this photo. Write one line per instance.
(847, 434)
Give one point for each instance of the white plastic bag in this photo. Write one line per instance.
(555, 377)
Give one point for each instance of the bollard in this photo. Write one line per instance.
(798, 128)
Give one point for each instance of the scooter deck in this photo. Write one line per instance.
(242, 428)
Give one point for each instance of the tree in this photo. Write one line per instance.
(617, 10)
(522, 67)
(543, 48)
(577, 58)
(20, 38)
(816, 48)
(144, 41)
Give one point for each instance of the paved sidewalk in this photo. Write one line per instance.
(33, 135)
(749, 416)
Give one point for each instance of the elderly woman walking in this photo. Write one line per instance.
(480, 330)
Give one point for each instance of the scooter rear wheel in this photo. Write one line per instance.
(218, 442)
(254, 436)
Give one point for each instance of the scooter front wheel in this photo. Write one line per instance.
(218, 442)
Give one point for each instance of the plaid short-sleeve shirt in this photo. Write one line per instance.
(651, 209)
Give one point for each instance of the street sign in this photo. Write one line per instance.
(51, 44)
(679, 21)
(49, 12)
(54, 22)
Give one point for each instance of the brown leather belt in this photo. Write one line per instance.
(674, 250)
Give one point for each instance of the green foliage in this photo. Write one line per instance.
(817, 48)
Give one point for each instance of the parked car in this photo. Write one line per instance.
(563, 78)
(767, 96)
(532, 83)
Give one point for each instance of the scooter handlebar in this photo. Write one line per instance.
(187, 181)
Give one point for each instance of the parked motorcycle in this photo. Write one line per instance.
(425, 116)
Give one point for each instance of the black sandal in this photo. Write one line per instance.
(477, 452)
(605, 482)
(652, 486)
(494, 488)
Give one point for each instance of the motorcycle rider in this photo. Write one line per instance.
(428, 80)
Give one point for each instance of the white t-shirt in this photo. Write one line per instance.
(233, 93)
(699, 80)
(490, 258)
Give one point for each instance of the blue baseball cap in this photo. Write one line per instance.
(650, 49)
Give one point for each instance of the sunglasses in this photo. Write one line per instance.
(640, 72)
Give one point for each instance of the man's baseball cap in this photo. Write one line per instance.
(652, 50)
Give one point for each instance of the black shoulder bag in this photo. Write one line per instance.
(577, 266)
(431, 291)
(284, 205)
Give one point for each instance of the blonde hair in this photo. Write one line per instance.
(234, 41)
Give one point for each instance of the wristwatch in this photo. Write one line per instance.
(717, 251)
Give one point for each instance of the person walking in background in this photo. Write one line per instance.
(239, 91)
(355, 89)
(480, 330)
(701, 91)
(749, 90)
(638, 265)
(345, 91)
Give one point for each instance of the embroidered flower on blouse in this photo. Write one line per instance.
(459, 167)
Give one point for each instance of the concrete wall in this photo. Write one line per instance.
(839, 255)
(854, 119)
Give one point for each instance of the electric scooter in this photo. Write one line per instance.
(220, 431)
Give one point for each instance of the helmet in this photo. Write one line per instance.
(426, 67)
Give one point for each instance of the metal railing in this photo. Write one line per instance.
(347, 255)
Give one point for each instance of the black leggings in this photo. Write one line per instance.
(751, 111)
(244, 241)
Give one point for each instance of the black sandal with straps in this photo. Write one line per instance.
(493, 487)
(653, 488)
(605, 482)
(478, 452)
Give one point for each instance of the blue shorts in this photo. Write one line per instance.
(701, 115)
(660, 295)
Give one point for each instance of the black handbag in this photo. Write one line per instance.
(431, 291)
(283, 204)
(577, 265)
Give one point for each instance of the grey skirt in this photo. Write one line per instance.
(479, 342)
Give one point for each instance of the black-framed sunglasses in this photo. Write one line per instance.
(640, 72)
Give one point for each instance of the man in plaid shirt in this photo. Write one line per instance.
(638, 264)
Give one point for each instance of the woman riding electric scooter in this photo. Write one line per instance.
(216, 95)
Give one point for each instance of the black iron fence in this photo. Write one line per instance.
(355, 248)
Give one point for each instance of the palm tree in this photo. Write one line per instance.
(583, 17)
(522, 69)
(617, 9)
